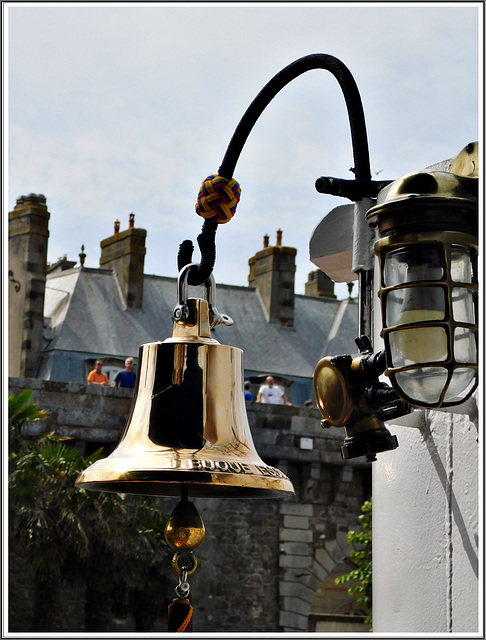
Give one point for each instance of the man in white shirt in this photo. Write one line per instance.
(269, 393)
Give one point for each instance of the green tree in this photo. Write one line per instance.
(111, 542)
(363, 560)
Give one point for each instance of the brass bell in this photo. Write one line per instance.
(187, 423)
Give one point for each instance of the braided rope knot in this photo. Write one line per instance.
(217, 199)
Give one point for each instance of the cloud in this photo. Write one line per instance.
(121, 108)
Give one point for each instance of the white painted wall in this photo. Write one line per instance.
(425, 528)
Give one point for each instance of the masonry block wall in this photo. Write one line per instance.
(319, 284)
(262, 560)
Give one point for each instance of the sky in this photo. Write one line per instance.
(119, 108)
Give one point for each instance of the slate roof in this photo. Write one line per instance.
(84, 312)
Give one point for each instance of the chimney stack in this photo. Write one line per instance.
(124, 252)
(319, 284)
(272, 272)
(27, 264)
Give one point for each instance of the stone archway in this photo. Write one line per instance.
(333, 609)
(303, 574)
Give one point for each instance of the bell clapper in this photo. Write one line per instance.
(185, 529)
(184, 533)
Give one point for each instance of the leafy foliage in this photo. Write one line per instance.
(363, 560)
(113, 542)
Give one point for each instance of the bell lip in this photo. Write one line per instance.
(191, 340)
(207, 484)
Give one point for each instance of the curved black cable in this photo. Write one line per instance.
(359, 138)
(352, 98)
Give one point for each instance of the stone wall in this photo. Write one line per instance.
(262, 561)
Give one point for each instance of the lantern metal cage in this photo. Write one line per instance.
(427, 249)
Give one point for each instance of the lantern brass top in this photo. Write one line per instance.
(429, 184)
(466, 162)
(431, 189)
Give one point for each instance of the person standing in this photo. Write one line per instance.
(126, 378)
(248, 395)
(97, 376)
(270, 393)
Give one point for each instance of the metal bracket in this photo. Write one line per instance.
(351, 189)
(182, 311)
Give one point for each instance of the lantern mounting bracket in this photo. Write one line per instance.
(351, 189)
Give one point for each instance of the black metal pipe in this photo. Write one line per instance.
(298, 67)
(352, 189)
(359, 138)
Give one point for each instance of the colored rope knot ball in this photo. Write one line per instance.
(217, 199)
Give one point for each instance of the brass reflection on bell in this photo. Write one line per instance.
(185, 529)
(188, 424)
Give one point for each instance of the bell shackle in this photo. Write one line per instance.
(182, 312)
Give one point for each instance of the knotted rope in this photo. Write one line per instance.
(217, 199)
(180, 616)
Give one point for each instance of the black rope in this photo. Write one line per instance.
(207, 246)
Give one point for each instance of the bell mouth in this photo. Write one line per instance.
(200, 483)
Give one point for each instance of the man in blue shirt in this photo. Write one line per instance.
(126, 378)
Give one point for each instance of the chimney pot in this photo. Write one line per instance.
(279, 238)
(131, 221)
(265, 240)
(33, 198)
